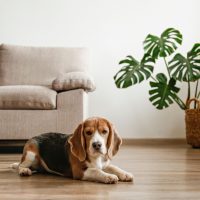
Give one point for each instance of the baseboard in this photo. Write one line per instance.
(16, 146)
(154, 141)
(12, 146)
(13, 143)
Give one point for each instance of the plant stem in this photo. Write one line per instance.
(167, 67)
(196, 89)
(153, 78)
(198, 95)
(181, 104)
(188, 97)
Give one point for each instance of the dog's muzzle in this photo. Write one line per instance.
(96, 146)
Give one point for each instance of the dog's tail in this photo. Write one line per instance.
(14, 165)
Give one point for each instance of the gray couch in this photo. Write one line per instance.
(42, 89)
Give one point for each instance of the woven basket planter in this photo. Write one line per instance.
(192, 121)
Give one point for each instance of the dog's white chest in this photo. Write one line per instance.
(99, 163)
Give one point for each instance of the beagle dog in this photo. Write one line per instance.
(83, 155)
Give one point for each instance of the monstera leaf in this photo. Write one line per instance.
(133, 71)
(186, 69)
(163, 93)
(164, 45)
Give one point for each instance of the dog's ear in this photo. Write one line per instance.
(114, 141)
(77, 143)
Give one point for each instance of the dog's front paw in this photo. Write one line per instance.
(25, 172)
(111, 178)
(126, 177)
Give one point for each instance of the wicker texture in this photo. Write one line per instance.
(192, 121)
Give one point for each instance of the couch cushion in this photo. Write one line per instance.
(20, 65)
(74, 80)
(27, 97)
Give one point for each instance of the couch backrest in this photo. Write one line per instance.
(20, 65)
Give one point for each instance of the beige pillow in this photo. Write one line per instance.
(74, 80)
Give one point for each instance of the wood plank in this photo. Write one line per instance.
(161, 170)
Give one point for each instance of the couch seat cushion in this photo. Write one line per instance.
(27, 97)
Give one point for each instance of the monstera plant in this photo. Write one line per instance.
(163, 87)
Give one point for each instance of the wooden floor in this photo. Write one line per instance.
(162, 171)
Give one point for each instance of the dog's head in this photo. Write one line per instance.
(95, 136)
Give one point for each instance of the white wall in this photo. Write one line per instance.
(111, 29)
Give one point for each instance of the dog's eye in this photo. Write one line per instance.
(89, 132)
(104, 131)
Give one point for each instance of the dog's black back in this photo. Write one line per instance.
(53, 149)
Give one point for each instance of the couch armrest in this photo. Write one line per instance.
(73, 101)
(72, 109)
(74, 80)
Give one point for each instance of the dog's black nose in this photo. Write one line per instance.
(96, 145)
